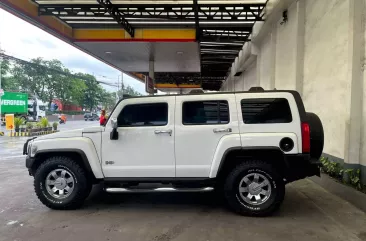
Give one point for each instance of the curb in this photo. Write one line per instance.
(40, 133)
(341, 190)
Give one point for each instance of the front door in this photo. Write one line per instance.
(145, 146)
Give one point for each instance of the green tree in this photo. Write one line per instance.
(77, 91)
(93, 91)
(7, 82)
(128, 90)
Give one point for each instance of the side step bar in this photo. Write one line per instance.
(160, 189)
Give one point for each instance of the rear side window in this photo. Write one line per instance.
(155, 114)
(266, 110)
(205, 112)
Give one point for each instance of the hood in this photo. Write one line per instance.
(62, 134)
(71, 133)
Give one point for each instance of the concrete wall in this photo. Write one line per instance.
(326, 89)
(320, 52)
(266, 66)
(250, 76)
(285, 49)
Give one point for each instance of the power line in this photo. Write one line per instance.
(9, 57)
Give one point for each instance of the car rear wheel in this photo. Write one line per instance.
(60, 183)
(254, 188)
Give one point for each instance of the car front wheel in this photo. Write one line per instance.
(254, 188)
(60, 183)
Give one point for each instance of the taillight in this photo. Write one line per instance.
(305, 134)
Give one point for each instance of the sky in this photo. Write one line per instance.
(32, 42)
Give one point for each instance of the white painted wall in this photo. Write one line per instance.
(326, 89)
(265, 63)
(316, 53)
(363, 69)
(239, 83)
(285, 51)
(250, 76)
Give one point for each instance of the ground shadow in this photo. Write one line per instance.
(294, 204)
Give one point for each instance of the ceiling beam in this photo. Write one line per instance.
(117, 15)
(196, 20)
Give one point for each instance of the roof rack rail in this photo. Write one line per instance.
(256, 89)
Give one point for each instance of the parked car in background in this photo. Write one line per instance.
(91, 117)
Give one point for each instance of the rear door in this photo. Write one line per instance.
(266, 118)
(200, 123)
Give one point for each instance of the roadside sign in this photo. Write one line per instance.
(1, 92)
(9, 121)
(13, 102)
(149, 85)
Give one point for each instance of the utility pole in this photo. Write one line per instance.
(122, 85)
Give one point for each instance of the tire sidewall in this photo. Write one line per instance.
(236, 201)
(40, 183)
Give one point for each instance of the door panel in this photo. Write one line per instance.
(265, 120)
(145, 147)
(205, 121)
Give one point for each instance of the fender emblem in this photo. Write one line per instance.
(109, 162)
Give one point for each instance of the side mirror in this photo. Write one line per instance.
(114, 132)
(114, 123)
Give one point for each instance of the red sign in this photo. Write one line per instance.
(149, 85)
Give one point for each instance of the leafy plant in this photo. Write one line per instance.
(29, 125)
(44, 122)
(333, 169)
(354, 176)
(54, 125)
(37, 125)
(18, 122)
(349, 176)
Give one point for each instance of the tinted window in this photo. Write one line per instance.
(260, 111)
(144, 115)
(205, 112)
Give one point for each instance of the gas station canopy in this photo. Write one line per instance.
(191, 43)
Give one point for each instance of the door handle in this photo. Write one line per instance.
(157, 132)
(222, 130)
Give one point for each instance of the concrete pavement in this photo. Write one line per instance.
(308, 213)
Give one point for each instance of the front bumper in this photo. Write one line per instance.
(301, 166)
(29, 161)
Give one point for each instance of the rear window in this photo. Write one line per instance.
(266, 110)
(205, 112)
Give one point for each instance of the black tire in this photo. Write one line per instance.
(81, 190)
(238, 204)
(316, 135)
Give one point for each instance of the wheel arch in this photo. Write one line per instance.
(237, 155)
(77, 155)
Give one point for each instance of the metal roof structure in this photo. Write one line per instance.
(222, 27)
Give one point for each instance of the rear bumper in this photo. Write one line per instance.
(300, 166)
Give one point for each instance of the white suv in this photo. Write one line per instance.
(247, 145)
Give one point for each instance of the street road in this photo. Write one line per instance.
(308, 213)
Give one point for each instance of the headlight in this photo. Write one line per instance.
(34, 149)
(29, 149)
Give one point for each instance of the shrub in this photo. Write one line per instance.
(18, 122)
(29, 125)
(44, 122)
